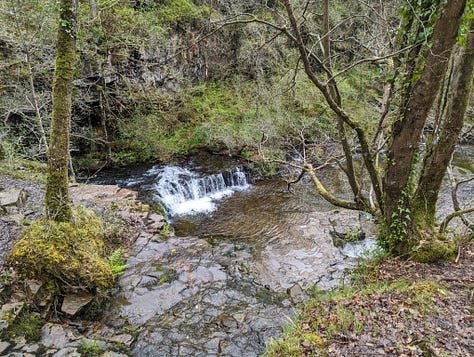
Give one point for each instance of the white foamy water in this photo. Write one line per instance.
(186, 192)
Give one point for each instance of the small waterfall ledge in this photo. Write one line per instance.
(184, 192)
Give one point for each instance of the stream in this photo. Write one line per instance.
(241, 259)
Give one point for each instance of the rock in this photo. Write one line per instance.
(17, 218)
(8, 312)
(73, 303)
(124, 339)
(34, 286)
(296, 293)
(100, 194)
(18, 295)
(53, 335)
(31, 348)
(20, 342)
(67, 352)
(113, 354)
(3, 347)
(12, 198)
(155, 222)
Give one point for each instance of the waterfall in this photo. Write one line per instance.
(185, 192)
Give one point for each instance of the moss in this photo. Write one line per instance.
(434, 250)
(28, 325)
(57, 202)
(175, 12)
(69, 253)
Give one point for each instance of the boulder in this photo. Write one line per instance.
(73, 303)
(14, 198)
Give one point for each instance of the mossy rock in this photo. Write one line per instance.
(69, 253)
(434, 250)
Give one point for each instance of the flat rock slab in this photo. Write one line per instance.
(100, 194)
(13, 198)
(73, 303)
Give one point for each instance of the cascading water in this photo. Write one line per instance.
(185, 192)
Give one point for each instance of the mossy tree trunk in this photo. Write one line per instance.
(422, 83)
(57, 201)
(438, 158)
(427, 37)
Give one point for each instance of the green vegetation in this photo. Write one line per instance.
(435, 249)
(90, 348)
(66, 253)
(28, 325)
(24, 169)
(180, 12)
(233, 115)
(116, 263)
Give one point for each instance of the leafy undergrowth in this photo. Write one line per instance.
(399, 309)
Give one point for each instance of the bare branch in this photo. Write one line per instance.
(371, 59)
(450, 216)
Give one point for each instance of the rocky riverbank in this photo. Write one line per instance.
(179, 296)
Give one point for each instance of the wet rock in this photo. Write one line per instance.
(143, 307)
(73, 303)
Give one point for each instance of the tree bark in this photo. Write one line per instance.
(57, 201)
(438, 161)
(406, 131)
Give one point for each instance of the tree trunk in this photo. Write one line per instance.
(406, 131)
(437, 163)
(57, 202)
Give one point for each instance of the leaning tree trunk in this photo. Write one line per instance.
(406, 131)
(437, 162)
(57, 202)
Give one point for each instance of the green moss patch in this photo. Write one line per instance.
(27, 325)
(69, 253)
(434, 251)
